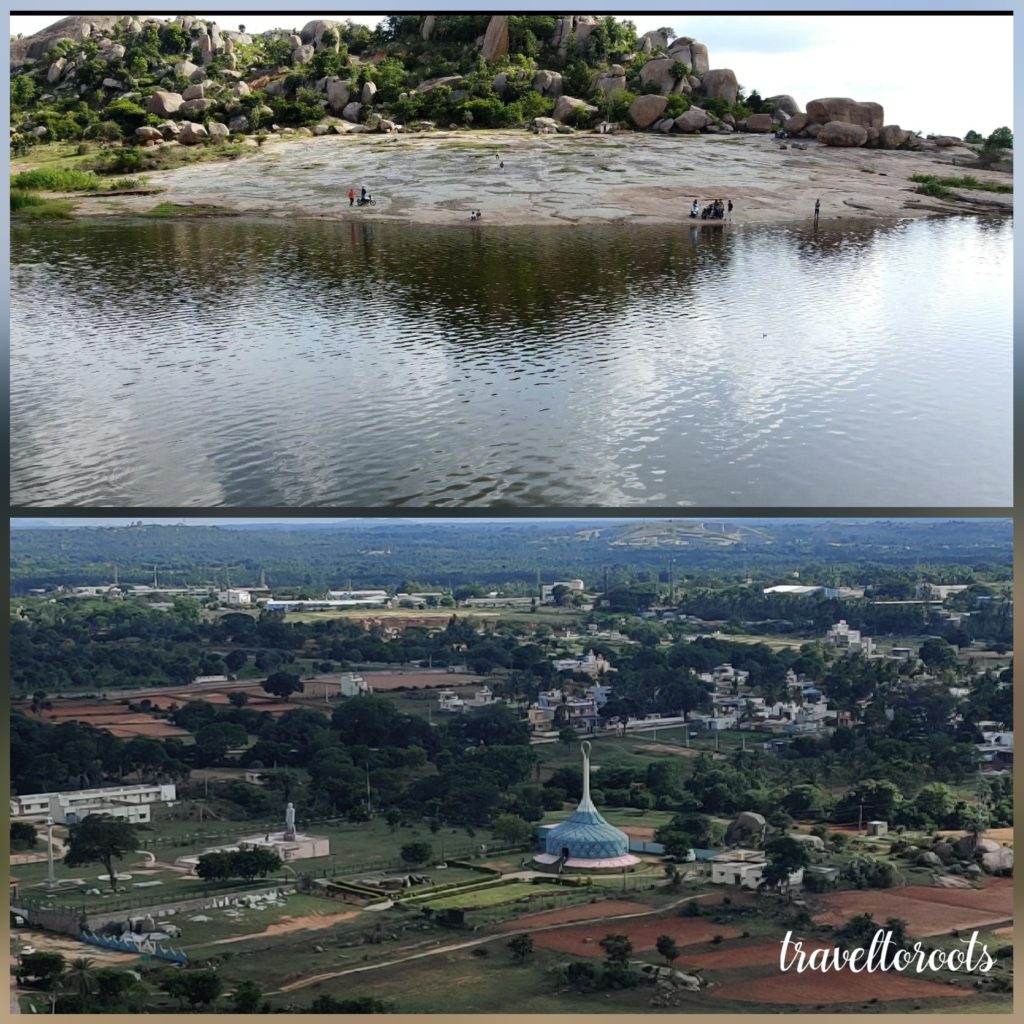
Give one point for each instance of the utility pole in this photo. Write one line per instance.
(860, 816)
(369, 808)
(51, 879)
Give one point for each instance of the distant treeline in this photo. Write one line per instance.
(450, 555)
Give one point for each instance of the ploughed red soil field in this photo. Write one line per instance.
(764, 954)
(643, 933)
(927, 910)
(603, 908)
(813, 988)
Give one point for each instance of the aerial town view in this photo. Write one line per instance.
(564, 765)
(536, 260)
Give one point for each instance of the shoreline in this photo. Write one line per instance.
(632, 179)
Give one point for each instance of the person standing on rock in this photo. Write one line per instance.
(817, 210)
(730, 209)
(351, 197)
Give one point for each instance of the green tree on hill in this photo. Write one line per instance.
(100, 839)
(416, 853)
(283, 684)
(521, 947)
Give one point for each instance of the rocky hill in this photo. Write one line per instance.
(141, 81)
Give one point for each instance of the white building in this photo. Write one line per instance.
(939, 592)
(353, 685)
(745, 868)
(547, 590)
(589, 664)
(235, 598)
(851, 640)
(131, 803)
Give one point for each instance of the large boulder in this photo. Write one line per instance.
(368, 94)
(806, 839)
(188, 70)
(239, 123)
(338, 94)
(721, 84)
(795, 124)
(192, 134)
(699, 53)
(840, 133)
(548, 83)
(680, 51)
(313, 32)
(197, 91)
(566, 107)
(998, 862)
(610, 80)
(303, 54)
(240, 89)
(835, 108)
(427, 29)
(163, 104)
(148, 134)
(111, 52)
(692, 120)
(451, 81)
(495, 43)
(745, 827)
(217, 131)
(659, 72)
(892, 136)
(784, 103)
(759, 123)
(656, 40)
(56, 70)
(352, 111)
(645, 110)
(196, 106)
(928, 859)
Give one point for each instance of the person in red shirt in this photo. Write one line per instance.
(351, 197)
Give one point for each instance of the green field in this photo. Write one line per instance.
(486, 897)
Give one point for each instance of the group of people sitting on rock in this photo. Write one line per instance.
(713, 211)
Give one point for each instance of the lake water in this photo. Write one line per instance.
(253, 363)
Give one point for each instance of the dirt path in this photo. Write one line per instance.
(455, 947)
(438, 178)
(309, 923)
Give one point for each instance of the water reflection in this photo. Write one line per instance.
(252, 363)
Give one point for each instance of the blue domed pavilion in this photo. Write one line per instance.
(585, 841)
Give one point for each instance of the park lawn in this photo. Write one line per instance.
(355, 846)
(197, 936)
(486, 897)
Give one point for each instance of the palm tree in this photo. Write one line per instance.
(80, 977)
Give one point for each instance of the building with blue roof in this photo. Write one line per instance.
(585, 841)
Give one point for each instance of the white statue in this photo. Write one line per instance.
(289, 821)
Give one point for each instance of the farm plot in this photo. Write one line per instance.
(836, 987)
(927, 910)
(642, 932)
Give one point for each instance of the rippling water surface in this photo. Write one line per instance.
(243, 363)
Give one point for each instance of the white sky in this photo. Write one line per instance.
(914, 65)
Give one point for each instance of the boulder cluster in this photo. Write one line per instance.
(970, 856)
(671, 70)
